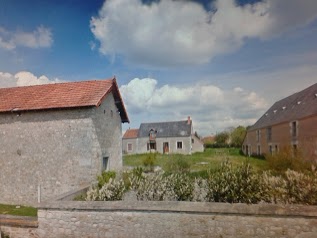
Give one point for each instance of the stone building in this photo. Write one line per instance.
(290, 122)
(163, 137)
(58, 137)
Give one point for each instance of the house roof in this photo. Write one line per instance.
(61, 96)
(166, 129)
(131, 133)
(299, 105)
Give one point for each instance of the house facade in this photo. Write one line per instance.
(58, 137)
(290, 122)
(163, 137)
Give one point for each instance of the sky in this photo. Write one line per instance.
(221, 62)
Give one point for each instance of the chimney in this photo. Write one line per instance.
(188, 120)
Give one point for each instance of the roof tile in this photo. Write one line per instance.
(131, 133)
(296, 106)
(60, 95)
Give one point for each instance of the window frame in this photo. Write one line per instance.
(105, 163)
(129, 144)
(294, 128)
(257, 135)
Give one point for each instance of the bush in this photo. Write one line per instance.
(223, 184)
(292, 188)
(234, 185)
(149, 161)
(152, 187)
(286, 159)
(105, 177)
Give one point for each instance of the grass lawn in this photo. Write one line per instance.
(209, 159)
(17, 210)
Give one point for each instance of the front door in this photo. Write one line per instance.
(166, 148)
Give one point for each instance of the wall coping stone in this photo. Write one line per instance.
(18, 221)
(203, 208)
(69, 196)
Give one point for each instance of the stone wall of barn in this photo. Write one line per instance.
(47, 153)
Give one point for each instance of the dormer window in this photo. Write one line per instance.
(152, 134)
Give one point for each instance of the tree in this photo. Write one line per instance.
(222, 138)
(237, 136)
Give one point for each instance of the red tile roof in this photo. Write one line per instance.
(131, 133)
(61, 96)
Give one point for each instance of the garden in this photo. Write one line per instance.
(217, 175)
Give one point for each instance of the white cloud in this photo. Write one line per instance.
(39, 38)
(206, 103)
(168, 33)
(23, 78)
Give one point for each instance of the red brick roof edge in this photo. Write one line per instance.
(61, 96)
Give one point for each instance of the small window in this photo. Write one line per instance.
(258, 135)
(129, 147)
(105, 163)
(152, 134)
(271, 150)
(259, 150)
(294, 128)
(276, 148)
(193, 141)
(179, 145)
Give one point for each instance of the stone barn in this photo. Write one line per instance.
(58, 137)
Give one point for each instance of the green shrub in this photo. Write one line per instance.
(105, 177)
(224, 184)
(233, 185)
(292, 187)
(152, 187)
(113, 190)
(149, 161)
(286, 159)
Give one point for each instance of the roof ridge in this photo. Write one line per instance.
(164, 122)
(59, 83)
(298, 92)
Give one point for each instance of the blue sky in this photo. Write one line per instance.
(221, 62)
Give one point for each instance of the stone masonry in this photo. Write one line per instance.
(50, 152)
(175, 219)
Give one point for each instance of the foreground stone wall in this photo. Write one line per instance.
(18, 226)
(175, 219)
